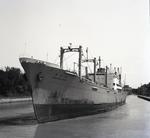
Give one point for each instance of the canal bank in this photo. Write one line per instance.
(144, 97)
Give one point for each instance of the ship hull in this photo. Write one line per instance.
(49, 112)
(59, 94)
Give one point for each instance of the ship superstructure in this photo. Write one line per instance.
(58, 93)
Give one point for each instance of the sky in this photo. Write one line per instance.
(116, 30)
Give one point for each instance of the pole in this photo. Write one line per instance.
(99, 62)
(86, 72)
(80, 58)
(61, 57)
(74, 64)
(87, 53)
(106, 77)
(94, 69)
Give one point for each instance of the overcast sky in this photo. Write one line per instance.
(117, 30)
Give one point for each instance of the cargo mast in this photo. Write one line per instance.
(99, 60)
(69, 49)
(94, 61)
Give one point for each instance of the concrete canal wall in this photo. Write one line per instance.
(144, 97)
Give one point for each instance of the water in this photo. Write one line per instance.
(131, 120)
(10, 110)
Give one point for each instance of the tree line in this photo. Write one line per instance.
(142, 90)
(13, 83)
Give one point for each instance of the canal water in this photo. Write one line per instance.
(131, 120)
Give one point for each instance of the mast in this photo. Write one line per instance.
(87, 52)
(86, 72)
(120, 79)
(99, 60)
(106, 77)
(94, 61)
(69, 49)
(80, 58)
(61, 57)
(94, 69)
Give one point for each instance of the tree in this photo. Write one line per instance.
(13, 83)
(143, 90)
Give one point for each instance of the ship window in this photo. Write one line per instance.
(118, 85)
(94, 88)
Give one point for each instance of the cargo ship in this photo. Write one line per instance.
(58, 93)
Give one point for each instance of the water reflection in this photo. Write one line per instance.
(26, 119)
(14, 109)
(130, 120)
(19, 113)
